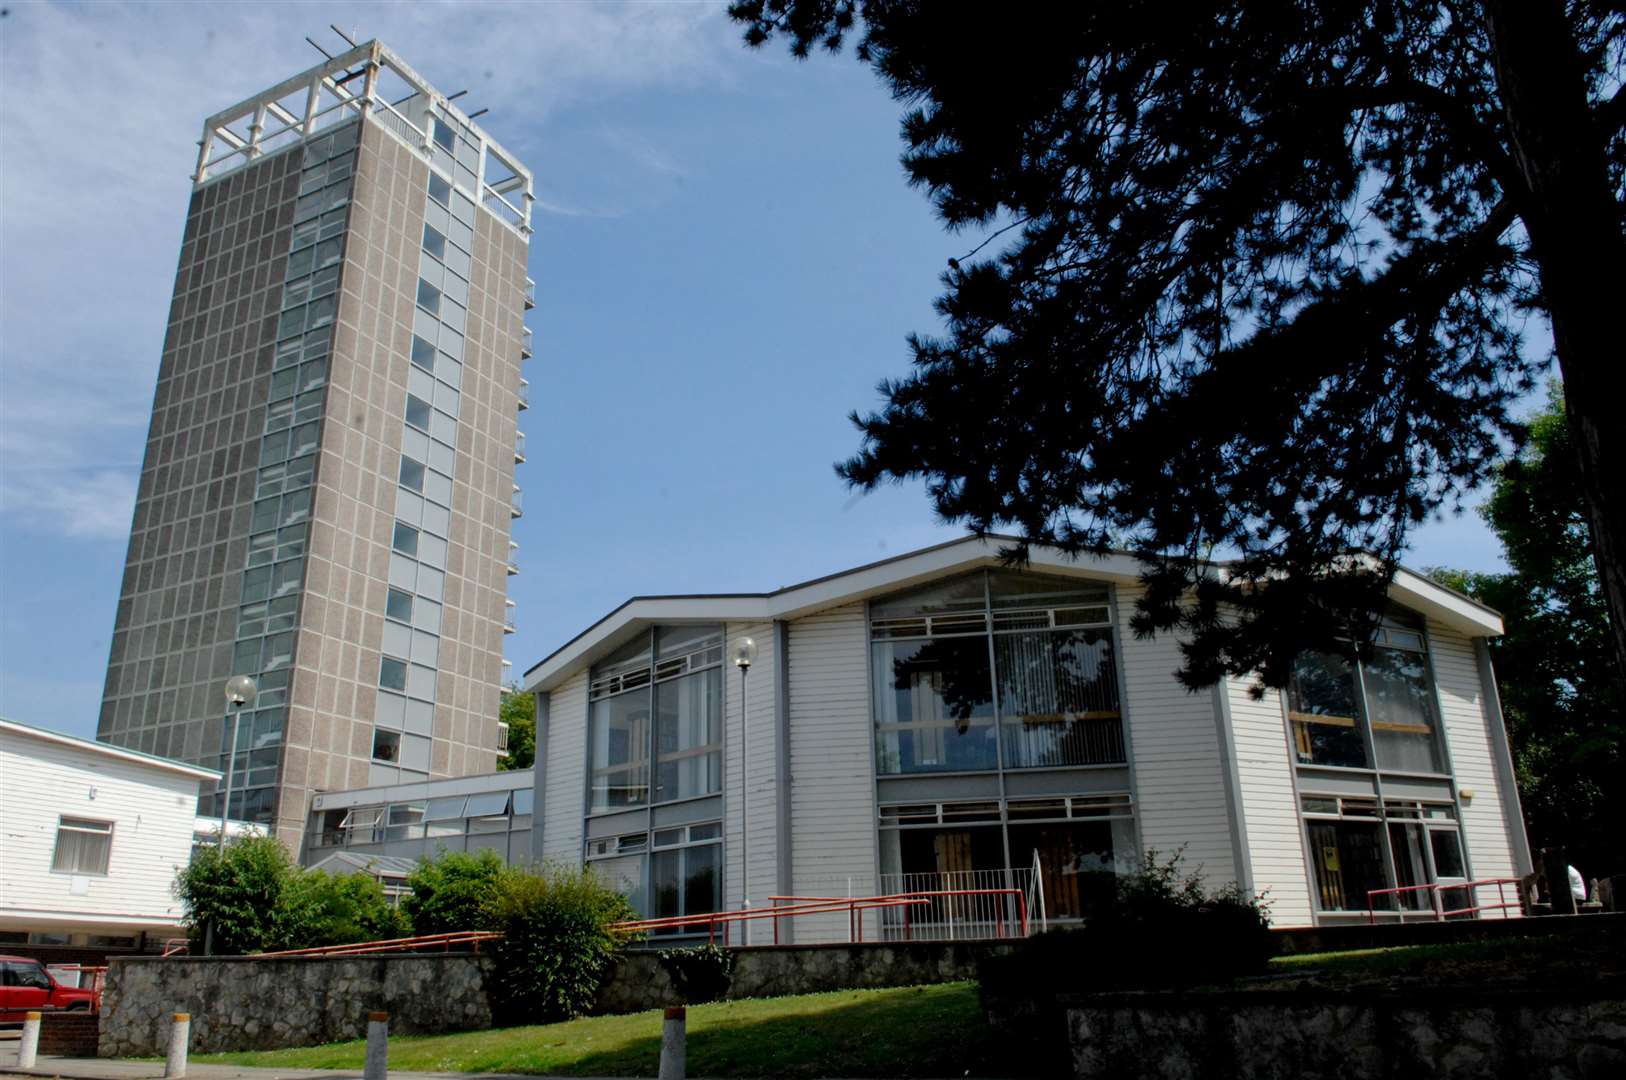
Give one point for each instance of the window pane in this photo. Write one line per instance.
(417, 412)
(1411, 868)
(391, 673)
(82, 846)
(1011, 588)
(933, 705)
(1321, 707)
(423, 353)
(1447, 847)
(1348, 860)
(1058, 697)
(620, 750)
(434, 242)
(411, 474)
(1400, 708)
(440, 189)
(625, 875)
(688, 736)
(428, 297)
(399, 605)
(960, 594)
(386, 745)
(702, 879)
(406, 539)
(1077, 861)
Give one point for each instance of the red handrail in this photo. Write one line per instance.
(406, 944)
(713, 919)
(920, 896)
(1436, 888)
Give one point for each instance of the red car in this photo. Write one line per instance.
(25, 986)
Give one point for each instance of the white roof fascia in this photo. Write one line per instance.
(1412, 590)
(797, 601)
(12, 727)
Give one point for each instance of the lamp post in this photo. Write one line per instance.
(745, 652)
(240, 689)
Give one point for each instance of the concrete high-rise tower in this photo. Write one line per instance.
(328, 488)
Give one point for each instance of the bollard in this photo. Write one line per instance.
(180, 1040)
(674, 1044)
(28, 1049)
(377, 1066)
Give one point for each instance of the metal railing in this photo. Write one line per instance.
(519, 447)
(725, 919)
(424, 942)
(1437, 899)
(917, 916)
(967, 905)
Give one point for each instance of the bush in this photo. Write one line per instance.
(239, 890)
(557, 945)
(259, 900)
(700, 974)
(454, 891)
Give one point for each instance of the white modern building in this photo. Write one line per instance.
(91, 836)
(939, 721)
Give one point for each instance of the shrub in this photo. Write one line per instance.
(240, 891)
(258, 900)
(700, 974)
(557, 945)
(454, 891)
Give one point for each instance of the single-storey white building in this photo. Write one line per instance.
(91, 836)
(939, 721)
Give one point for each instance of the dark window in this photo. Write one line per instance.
(392, 673)
(417, 412)
(440, 189)
(1324, 715)
(399, 605)
(934, 707)
(434, 242)
(423, 353)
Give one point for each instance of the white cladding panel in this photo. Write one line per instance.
(1270, 815)
(152, 811)
(1462, 703)
(565, 784)
(832, 762)
(1174, 747)
(760, 770)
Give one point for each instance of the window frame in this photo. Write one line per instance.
(78, 826)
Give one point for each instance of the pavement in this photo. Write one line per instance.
(119, 1069)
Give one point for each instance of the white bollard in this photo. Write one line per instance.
(29, 1047)
(377, 1066)
(674, 1044)
(180, 1040)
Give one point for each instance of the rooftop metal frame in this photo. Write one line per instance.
(346, 86)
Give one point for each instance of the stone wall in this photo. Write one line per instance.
(69, 1034)
(241, 1003)
(639, 981)
(1452, 1034)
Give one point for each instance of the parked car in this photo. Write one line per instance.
(25, 986)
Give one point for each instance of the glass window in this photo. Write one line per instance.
(434, 242)
(444, 138)
(687, 880)
(82, 846)
(624, 874)
(1411, 867)
(392, 673)
(488, 804)
(1400, 707)
(406, 539)
(398, 605)
(1079, 861)
(417, 412)
(1322, 710)
(428, 297)
(386, 745)
(620, 750)
(405, 821)
(1348, 861)
(933, 705)
(440, 189)
(1448, 860)
(689, 735)
(411, 474)
(1058, 698)
(423, 353)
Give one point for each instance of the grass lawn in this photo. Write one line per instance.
(909, 1031)
(1560, 960)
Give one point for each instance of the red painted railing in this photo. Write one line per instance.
(855, 922)
(1436, 901)
(445, 942)
(711, 920)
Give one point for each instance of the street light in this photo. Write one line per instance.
(240, 689)
(745, 653)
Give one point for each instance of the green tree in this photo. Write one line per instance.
(519, 713)
(1563, 690)
(454, 891)
(238, 892)
(257, 899)
(1263, 283)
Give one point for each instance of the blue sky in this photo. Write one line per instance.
(727, 261)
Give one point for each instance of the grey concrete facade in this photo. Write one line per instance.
(325, 501)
